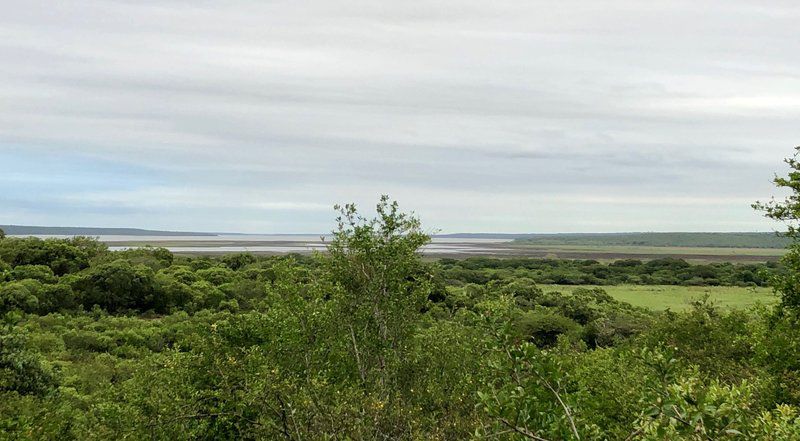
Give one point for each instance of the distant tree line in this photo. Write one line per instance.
(691, 240)
(50, 275)
(370, 341)
(664, 271)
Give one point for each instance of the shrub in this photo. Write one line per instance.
(117, 286)
(22, 370)
(20, 296)
(217, 275)
(543, 327)
(42, 273)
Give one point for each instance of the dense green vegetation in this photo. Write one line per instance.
(663, 271)
(693, 240)
(369, 341)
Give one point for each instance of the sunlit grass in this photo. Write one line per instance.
(676, 298)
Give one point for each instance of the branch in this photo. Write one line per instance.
(358, 356)
(522, 431)
(563, 405)
(634, 434)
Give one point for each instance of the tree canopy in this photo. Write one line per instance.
(374, 340)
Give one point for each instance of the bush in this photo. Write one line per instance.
(90, 341)
(524, 291)
(543, 327)
(117, 286)
(585, 305)
(172, 293)
(61, 255)
(21, 370)
(238, 261)
(57, 297)
(19, 296)
(42, 273)
(217, 275)
(155, 258)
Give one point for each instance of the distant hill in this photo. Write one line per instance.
(709, 240)
(483, 236)
(704, 240)
(27, 230)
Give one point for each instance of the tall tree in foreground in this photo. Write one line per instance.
(383, 285)
(787, 211)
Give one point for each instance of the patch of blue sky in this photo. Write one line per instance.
(25, 173)
(38, 187)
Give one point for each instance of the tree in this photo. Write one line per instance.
(788, 212)
(21, 370)
(19, 296)
(2, 234)
(383, 284)
(42, 273)
(61, 255)
(117, 286)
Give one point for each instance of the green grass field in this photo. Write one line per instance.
(676, 298)
(606, 253)
(690, 240)
(635, 249)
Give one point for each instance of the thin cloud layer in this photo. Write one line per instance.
(515, 116)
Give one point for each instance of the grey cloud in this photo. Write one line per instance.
(445, 103)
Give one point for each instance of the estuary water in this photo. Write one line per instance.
(282, 244)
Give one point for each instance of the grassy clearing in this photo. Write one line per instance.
(676, 298)
(633, 249)
(720, 240)
(607, 253)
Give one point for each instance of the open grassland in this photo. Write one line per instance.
(716, 240)
(635, 249)
(467, 248)
(678, 298)
(616, 252)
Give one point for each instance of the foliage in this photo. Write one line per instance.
(116, 286)
(21, 370)
(703, 240)
(383, 284)
(371, 341)
(788, 211)
(664, 271)
(63, 256)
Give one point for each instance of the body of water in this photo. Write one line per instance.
(281, 244)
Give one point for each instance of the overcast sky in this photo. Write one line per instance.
(506, 116)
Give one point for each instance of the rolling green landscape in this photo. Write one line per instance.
(670, 240)
(680, 298)
(614, 252)
(369, 339)
(695, 247)
(435, 220)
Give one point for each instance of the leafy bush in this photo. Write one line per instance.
(21, 370)
(42, 273)
(117, 286)
(544, 327)
(372, 342)
(20, 296)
